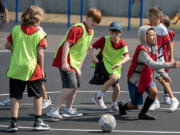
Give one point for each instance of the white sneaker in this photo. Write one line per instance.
(114, 109)
(70, 112)
(99, 102)
(6, 102)
(46, 103)
(174, 104)
(167, 99)
(54, 113)
(40, 125)
(155, 105)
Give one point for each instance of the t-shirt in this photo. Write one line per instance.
(75, 33)
(99, 44)
(30, 30)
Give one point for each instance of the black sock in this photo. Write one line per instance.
(148, 102)
(126, 106)
(37, 117)
(13, 119)
(165, 92)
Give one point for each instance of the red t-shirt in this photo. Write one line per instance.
(74, 35)
(99, 44)
(30, 30)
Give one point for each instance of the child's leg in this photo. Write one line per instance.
(38, 106)
(14, 107)
(115, 94)
(45, 96)
(70, 98)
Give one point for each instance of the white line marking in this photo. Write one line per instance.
(96, 130)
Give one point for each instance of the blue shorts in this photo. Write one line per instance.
(137, 98)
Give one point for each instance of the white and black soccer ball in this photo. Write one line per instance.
(107, 123)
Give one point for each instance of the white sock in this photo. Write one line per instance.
(100, 94)
(113, 103)
(54, 109)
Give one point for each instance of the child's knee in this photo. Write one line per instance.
(153, 93)
(113, 77)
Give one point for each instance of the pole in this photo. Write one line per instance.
(82, 10)
(69, 14)
(17, 10)
(141, 12)
(129, 15)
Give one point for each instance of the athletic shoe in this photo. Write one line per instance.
(114, 109)
(167, 99)
(40, 125)
(155, 105)
(54, 113)
(67, 112)
(146, 117)
(12, 127)
(46, 103)
(99, 102)
(174, 104)
(6, 102)
(122, 110)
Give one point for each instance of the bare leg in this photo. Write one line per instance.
(45, 96)
(70, 98)
(116, 92)
(38, 106)
(14, 107)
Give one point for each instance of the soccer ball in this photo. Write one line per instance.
(107, 123)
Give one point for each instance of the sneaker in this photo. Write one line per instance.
(174, 104)
(6, 102)
(167, 99)
(99, 102)
(114, 109)
(122, 110)
(40, 125)
(146, 117)
(155, 105)
(12, 127)
(46, 103)
(54, 113)
(67, 112)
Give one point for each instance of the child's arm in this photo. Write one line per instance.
(171, 51)
(8, 46)
(93, 57)
(65, 52)
(40, 52)
(164, 75)
(124, 60)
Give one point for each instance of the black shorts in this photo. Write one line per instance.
(70, 79)
(101, 75)
(17, 87)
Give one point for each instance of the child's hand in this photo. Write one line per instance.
(176, 64)
(65, 67)
(94, 59)
(115, 66)
(168, 79)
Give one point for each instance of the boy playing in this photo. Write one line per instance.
(26, 68)
(140, 74)
(165, 48)
(69, 58)
(113, 53)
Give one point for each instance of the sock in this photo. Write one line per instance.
(37, 117)
(113, 103)
(13, 119)
(148, 102)
(100, 94)
(54, 109)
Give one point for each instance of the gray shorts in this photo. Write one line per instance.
(159, 60)
(69, 79)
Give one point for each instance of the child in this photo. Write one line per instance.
(3, 13)
(26, 68)
(164, 48)
(140, 74)
(109, 66)
(69, 58)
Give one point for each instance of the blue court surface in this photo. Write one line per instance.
(167, 123)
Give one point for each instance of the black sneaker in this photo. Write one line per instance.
(122, 110)
(12, 127)
(40, 125)
(146, 117)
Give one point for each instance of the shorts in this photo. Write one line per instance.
(70, 79)
(17, 87)
(136, 97)
(159, 60)
(101, 75)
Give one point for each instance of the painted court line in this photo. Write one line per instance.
(95, 130)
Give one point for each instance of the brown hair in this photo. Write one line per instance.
(166, 21)
(32, 16)
(156, 11)
(95, 14)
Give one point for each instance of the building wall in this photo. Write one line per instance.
(108, 7)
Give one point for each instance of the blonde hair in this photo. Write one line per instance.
(95, 14)
(32, 16)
